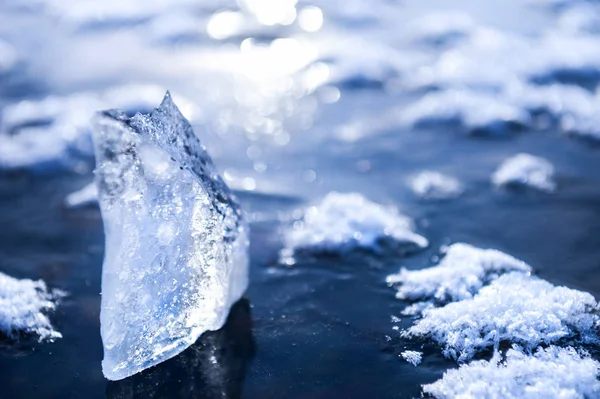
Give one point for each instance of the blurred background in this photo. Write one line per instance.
(294, 99)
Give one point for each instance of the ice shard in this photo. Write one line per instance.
(176, 242)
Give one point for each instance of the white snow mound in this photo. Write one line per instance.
(549, 373)
(435, 185)
(526, 170)
(345, 221)
(462, 272)
(514, 308)
(22, 307)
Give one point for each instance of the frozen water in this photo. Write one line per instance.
(435, 185)
(413, 357)
(514, 308)
(88, 195)
(176, 243)
(23, 304)
(342, 222)
(526, 170)
(462, 272)
(549, 373)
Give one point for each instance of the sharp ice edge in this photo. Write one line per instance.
(23, 304)
(525, 170)
(52, 134)
(435, 185)
(553, 372)
(88, 195)
(176, 243)
(462, 272)
(413, 357)
(514, 308)
(342, 222)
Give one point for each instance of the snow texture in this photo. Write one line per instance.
(462, 272)
(23, 307)
(553, 372)
(343, 222)
(515, 308)
(413, 357)
(435, 185)
(176, 242)
(525, 170)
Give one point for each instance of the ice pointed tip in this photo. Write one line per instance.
(167, 99)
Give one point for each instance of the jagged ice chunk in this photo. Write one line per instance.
(22, 307)
(462, 272)
(342, 222)
(525, 170)
(514, 308)
(176, 243)
(549, 373)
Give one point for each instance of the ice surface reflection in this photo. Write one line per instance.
(214, 367)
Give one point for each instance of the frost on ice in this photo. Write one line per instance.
(342, 222)
(176, 243)
(553, 372)
(462, 272)
(413, 357)
(526, 170)
(435, 185)
(515, 308)
(23, 304)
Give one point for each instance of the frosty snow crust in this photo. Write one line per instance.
(459, 275)
(23, 304)
(176, 243)
(515, 308)
(345, 221)
(474, 300)
(553, 372)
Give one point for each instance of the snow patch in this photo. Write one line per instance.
(343, 222)
(514, 308)
(472, 110)
(553, 372)
(525, 170)
(23, 307)
(462, 272)
(435, 185)
(413, 357)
